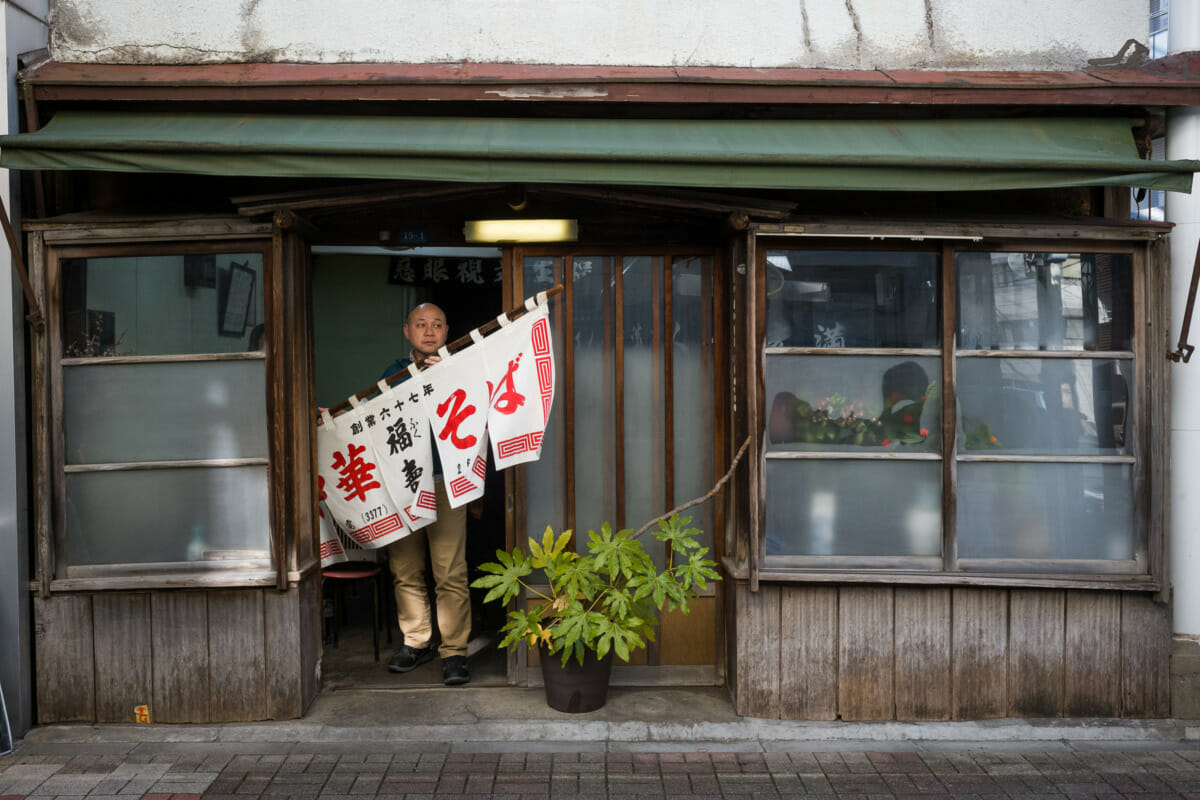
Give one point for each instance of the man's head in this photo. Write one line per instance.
(426, 329)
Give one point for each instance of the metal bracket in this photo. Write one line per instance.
(1183, 351)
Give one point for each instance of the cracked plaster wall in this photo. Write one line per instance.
(921, 34)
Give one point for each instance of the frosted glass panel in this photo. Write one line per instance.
(691, 341)
(159, 305)
(1046, 406)
(853, 402)
(1044, 301)
(166, 515)
(645, 395)
(165, 411)
(545, 481)
(1045, 511)
(595, 390)
(854, 508)
(843, 298)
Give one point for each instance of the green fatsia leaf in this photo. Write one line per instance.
(578, 578)
(504, 579)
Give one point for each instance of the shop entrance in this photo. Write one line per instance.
(361, 297)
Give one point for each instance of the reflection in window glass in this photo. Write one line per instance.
(162, 305)
(1044, 301)
(164, 411)
(854, 508)
(167, 515)
(545, 498)
(1040, 510)
(691, 361)
(594, 309)
(1047, 406)
(835, 298)
(849, 402)
(645, 393)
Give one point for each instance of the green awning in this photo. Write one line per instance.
(906, 155)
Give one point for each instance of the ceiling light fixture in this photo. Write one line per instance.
(521, 230)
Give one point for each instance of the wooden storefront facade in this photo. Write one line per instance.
(669, 361)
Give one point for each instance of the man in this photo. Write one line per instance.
(444, 540)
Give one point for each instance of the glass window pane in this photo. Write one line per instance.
(545, 479)
(159, 305)
(1045, 301)
(164, 411)
(854, 508)
(595, 409)
(691, 357)
(1040, 510)
(167, 515)
(1042, 405)
(644, 393)
(837, 298)
(851, 402)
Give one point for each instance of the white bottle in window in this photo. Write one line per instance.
(196, 547)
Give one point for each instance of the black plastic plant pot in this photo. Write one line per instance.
(575, 688)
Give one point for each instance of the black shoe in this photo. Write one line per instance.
(454, 671)
(409, 658)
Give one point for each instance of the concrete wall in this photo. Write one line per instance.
(1183, 141)
(968, 34)
(23, 30)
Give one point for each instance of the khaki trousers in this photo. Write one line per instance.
(446, 542)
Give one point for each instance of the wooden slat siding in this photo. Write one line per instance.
(740, 490)
(237, 668)
(310, 639)
(568, 280)
(275, 340)
(689, 639)
(923, 654)
(512, 260)
(1036, 632)
(660, 388)
(121, 621)
(665, 344)
(283, 653)
(712, 286)
(866, 653)
(1158, 336)
(1145, 655)
(978, 646)
(307, 547)
(755, 394)
(618, 373)
(757, 677)
(66, 681)
(179, 638)
(57, 423)
(949, 409)
(1092, 655)
(39, 420)
(728, 643)
(808, 660)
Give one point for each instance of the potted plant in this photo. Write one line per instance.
(593, 604)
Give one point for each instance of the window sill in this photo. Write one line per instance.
(215, 579)
(1127, 583)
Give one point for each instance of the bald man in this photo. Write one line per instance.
(444, 541)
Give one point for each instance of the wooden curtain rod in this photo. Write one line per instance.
(462, 341)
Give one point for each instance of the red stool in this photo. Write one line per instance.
(356, 571)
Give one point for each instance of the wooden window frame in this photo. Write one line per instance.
(1145, 244)
(51, 243)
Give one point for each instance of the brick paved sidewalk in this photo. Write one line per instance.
(295, 771)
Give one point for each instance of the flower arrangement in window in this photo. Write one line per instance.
(835, 421)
